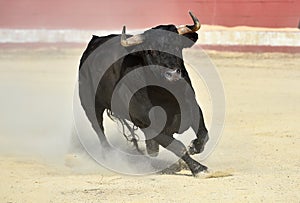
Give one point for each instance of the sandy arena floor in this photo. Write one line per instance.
(259, 146)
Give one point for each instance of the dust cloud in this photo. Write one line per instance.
(37, 119)
(36, 103)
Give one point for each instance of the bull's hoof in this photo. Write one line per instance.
(195, 147)
(152, 147)
(199, 169)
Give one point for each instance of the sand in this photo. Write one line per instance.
(256, 159)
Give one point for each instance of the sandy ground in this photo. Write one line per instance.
(257, 156)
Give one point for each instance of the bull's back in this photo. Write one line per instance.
(94, 43)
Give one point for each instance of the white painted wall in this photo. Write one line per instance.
(206, 37)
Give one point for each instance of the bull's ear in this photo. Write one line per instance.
(193, 36)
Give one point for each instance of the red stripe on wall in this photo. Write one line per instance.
(253, 49)
(81, 46)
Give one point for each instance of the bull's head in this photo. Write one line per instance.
(169, 38)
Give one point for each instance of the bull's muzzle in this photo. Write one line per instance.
(173, 75)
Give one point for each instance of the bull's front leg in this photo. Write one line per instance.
(197, 145)
(179, 149)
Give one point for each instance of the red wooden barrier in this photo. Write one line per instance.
(97, 14)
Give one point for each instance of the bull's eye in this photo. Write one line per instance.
(178, 71)
(153, 53)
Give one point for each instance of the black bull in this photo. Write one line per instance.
(129, 75)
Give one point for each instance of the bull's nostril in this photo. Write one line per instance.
(168, 74)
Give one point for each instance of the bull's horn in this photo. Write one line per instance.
(184, 29)
(134, 40)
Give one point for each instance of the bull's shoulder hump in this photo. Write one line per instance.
(95, 42)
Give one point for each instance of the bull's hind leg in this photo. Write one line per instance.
(179, 149)
(152, 147)
(99, 114)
